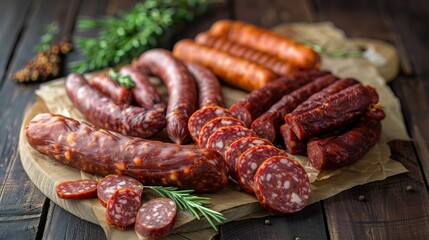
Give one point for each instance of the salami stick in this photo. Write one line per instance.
(112, 89)
(182, 90)
(267, 125)
(292, 143)
(259, 101)
(278, 66)
(266, 41)
(145, 94)
(103, 112)
(337, 110)
(209, 88)
(98, 151)
(235, 71)
(346, 148)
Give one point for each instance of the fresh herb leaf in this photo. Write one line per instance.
(124, 80)
(185, 201)
(46, 40)
(147, 25)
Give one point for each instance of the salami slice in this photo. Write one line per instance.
(239, 147)
(111, 183)
(282, 185)
(122, 208)
(210, 127)
(203, 116)
(78, 189)
(249, 162)
(156, 218)
(220, 140)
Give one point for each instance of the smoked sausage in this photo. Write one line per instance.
(103, 112)
(112, 89)
(79, 145)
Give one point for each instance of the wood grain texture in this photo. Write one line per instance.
(273, 12)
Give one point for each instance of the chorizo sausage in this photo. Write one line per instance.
(282, 185)
(103, 112)
(249, 162)
(144, 93)
(258, 101)
(182, 90)
(235, 71)
(278, 66)
(112, 89)
(267, 41)
(98, 151)
(267, 125)
(336, 110)
(346, 148)
(155, 218)
(78, 189)
(209, 88)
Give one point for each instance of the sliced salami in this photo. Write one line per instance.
(156, 218)
(282, 185)
(78, 189)
(122, 208)
(111, 183)
(213, 125)
(203, 116)
(239, 147)
(249, 162)
(220, 140)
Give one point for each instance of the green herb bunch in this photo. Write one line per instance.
(147, 25)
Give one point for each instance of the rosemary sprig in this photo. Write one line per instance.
(46, 40)
(334, 53)
(185, 201)
(124, 80)
(120, 39)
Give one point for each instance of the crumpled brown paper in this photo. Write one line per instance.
(234, 204)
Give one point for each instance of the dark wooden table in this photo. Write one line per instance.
(390, 211)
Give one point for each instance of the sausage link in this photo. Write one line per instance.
(258, 101)
(103, 112)
(346, 148)
(337, 110)
(267, 125)
(278, 66)
(266, 41)
(235, 71)
(145, 94)
(98, 151)
(112, 89)
(182, 91)
(209, 88)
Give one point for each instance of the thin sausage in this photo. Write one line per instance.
(267, 41)
(144, 93)
(209, 88)
(112, 89)
(235, 71)
(259, 101)
(102, 111)
(278, 66)
(182, 90)
(267, 125)
(98, 151)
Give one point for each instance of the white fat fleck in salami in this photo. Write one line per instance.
(282, 185)
(238, 147)
(221, 139)
(156, 218)
(111, 183)
(122, 208)
(249, 162)
(201, 117)
(213, 125)
(78, 189)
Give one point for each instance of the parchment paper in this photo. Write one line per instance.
(235, 204)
